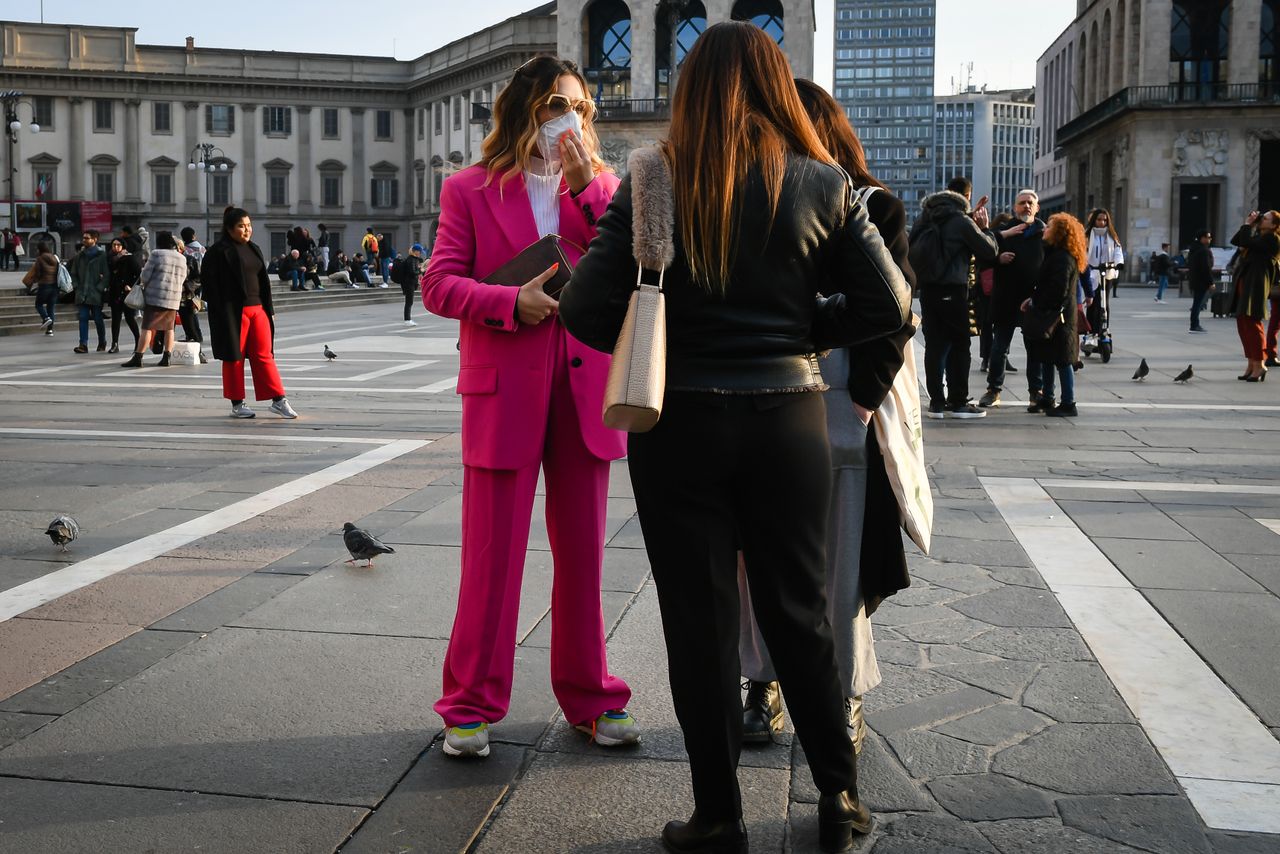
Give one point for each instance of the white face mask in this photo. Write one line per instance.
(1100, 230)
(549, 137)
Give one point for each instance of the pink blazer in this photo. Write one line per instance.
(505, 369)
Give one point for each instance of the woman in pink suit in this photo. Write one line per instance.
(531, 399)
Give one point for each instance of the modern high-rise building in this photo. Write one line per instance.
(884, 55)
(988, 137)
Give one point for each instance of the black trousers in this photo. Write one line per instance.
(408, 291)
(755, 470)
(944, 316)
(119, 311)
(190, 322)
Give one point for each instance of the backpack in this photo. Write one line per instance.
(926, 253)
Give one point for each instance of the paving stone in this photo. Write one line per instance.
(1006, 678)
(440, 804)
(223, 606)
(901, 685)
(1015, 607)
(946, 654)
(905, 653)
(311, 558)
(1088, 759)
(1175, 565)
(997, 725)
(972, 529)
(426, 498)
(1124, 520)
(1150, 823)
(1237, 536)
(625, 569)
(955, 630)
(84, 680)
(49, 647)
(570, 803)
(1032, 644)
(1018, 576)
(1224, 842)
(254, 713)
(985, 554)
(930, 834)
(989, 797)
(1076, 692)
(927, 754)
(629, 536)
(929, 711)
(14, 571)
(41, 817)
(802, 831)
(883, 784)
(612, 604)
(924, 594)
(1046, 836)
(892, 614)
(15, 726)
(1263, 569)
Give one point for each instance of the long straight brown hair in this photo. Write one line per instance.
(513, 142)
(837, 134)
(735, 108)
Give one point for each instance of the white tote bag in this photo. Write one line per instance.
(900, 432)
(186, 353)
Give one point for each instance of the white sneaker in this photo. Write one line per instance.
(411, 323)
(467, 740)
(242, 411)
(615, 728)
(282, 408)
(383, 285)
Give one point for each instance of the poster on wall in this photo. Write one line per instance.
(62, 217)
(29, 215)
(96, 215)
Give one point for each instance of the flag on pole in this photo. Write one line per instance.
(41, 187)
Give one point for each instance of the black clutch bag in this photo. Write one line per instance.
(532, 262)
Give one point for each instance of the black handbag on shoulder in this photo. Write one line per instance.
(1039, 325)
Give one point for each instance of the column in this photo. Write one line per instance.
(408, 191)
(249, 157)
(1242, 56)
(305, 204)
(75, 159)
(190, 131)
(359, 174)
(644, 50)
(132, 153)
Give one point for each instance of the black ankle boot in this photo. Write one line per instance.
(135, 361)
(761, 712)
(164, 360)
(701, 837)
(839, 818)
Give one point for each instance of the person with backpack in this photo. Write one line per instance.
(407, 272)
(945, 241)
(369, 244)
(42, 278)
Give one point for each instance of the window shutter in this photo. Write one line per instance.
(208, 117)
(231, 119)
(395, 192)
(288, 120)
(266, 120)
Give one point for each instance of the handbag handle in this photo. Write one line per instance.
(652, 212)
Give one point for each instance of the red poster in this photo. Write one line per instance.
(96, 215)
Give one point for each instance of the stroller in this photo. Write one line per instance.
(1096, 337)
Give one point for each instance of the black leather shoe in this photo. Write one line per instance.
(698, 837)
(761, 712)
(839, 818)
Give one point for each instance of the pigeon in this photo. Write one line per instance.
(63, 530)
(363, 545)
(1185, 375)
(329, 354)
(1141, 374)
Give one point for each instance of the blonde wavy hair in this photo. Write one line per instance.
(513, 143)
(1065, 232)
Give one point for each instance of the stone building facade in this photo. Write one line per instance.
(1168, 113)
(349, 141)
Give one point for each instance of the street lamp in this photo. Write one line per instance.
(11, 99)
(208, 158)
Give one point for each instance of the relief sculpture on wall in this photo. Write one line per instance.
(1200, 154)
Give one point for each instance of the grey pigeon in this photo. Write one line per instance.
(329, 354)
(363, 545)
(1143, 370)
(1185, 375)
(63, 530)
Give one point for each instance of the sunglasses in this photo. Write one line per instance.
(558, 105)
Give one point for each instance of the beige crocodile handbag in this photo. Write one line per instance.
(638, 371)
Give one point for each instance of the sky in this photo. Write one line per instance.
(1002, 40)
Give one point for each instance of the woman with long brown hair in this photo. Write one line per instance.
(863, 527)
(1256, 280)
(764, 223)
(1053, 304)
(531, 399)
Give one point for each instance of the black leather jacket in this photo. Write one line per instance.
(761, 335)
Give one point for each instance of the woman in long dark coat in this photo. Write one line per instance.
(241, 324)
(1256, 275)
(1054, 298)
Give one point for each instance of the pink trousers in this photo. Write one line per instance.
(497, 506)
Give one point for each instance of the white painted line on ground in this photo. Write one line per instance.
(1197, 407)
(320, 333)
(182, 437)
(1225, 758)
(1274, 526)
(444, 385)
(207, 386)
(24, 597)
(36, 371)
(1162, 486)
(394, 369)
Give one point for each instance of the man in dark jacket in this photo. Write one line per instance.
(91, 275)
(1021, 253)
(944, 293)
(1200, 274)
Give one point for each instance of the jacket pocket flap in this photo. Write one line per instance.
(477, 379)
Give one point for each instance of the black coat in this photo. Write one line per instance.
(1256, 272)
(222, 280)
(1055, 291)
(1200, 267)
(1014, 282)
(124, 273)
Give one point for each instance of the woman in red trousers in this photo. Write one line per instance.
(531, 400)
(1255, 283)
(238, 293)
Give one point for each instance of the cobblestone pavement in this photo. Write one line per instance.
(234, 686)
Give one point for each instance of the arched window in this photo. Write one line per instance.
(1199, 35)
(1118, 49)
(608, 70)
(1269, 48)
(679, 23)
(765, 14)
(1104, 55)
(1091, 78)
